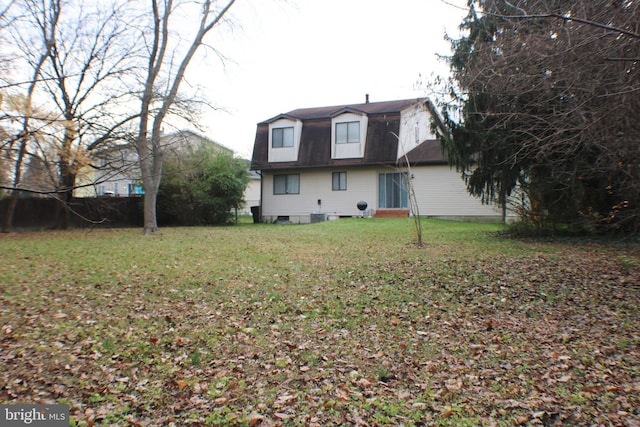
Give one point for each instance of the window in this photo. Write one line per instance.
(392, 191)
(284, 140)
(135, 189)
(286, 184)
(348, 135)
(339, 181)
(347, 132)
(282, 137)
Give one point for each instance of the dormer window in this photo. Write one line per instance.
(282, 137)
(347, 132)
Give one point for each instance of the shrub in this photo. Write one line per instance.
(201, 187)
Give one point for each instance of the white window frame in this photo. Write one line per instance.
(285, 153)
(352, 136)
(399, 180)
(353, 149)
(284, 142)
(341, 181)
(287, 184)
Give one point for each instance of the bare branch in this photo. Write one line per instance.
(589, 22)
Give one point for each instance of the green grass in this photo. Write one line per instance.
(338, 323)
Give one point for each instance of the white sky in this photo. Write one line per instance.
(285, 55)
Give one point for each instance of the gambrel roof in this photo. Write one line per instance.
(315, 140)
(370, 108)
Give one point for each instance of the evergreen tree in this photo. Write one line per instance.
(545, 99)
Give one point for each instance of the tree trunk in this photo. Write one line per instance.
(11, 207)
(63, 216)
(17, 177)
(150, 221)
(67, 170)
(151, 167)
(149, 147)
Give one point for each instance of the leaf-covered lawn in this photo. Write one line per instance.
(338, 323)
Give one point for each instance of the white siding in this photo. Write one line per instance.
(316, 184)
(441, 192)
(251, 195)
(414, 118)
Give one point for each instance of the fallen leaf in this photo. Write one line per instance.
(565, 378)
(254, 418)
(364, 383)
(282, 416)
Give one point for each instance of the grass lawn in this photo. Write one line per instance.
(337, 323)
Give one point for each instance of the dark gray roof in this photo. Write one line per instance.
(429, 152)
(368, 108)
(315, 140)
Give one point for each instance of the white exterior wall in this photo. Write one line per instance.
(251, 195)
(316, 184)
(441, 192)
(416, 117)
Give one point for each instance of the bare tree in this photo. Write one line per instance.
(86, 67)
(161, 85)
(85, 53)
(4, 13)
(83, 69)
(43, 48)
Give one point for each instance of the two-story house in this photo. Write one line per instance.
(316, 161)
(116, 171)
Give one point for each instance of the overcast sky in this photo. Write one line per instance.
(284, 55)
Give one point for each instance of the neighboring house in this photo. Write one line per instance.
(320, 162)
(174, 143)
(116, 171)
(251, 192)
